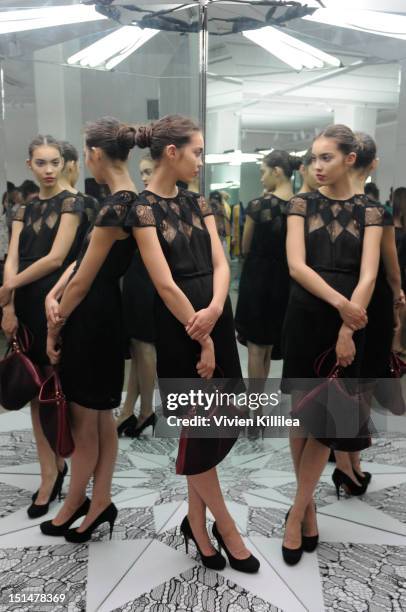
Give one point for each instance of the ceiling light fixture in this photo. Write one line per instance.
(290, 50)
(371, 22)
(112, 49)
(32, 19)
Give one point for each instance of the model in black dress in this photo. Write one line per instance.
(92, 340)
(178, 240)
(399, 208)
(138, 306)
(46, 237)
(333, 244)
(264, 284)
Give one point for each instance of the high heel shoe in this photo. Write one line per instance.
(249, 565)
(48, 528)
(291, 556)
(340, 478)
(37, 510)
(150, 421)
(310, 543)
(129, 424)
(108, 515)
(64, 472)
(365, 479)
(215, 562)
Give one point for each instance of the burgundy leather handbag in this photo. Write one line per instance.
(20, 380)
(54, 416)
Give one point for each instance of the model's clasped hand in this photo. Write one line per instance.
(200, 326)
(9, 322)
(205, 366)
(353, 315)
(345, 347)
(52, 310)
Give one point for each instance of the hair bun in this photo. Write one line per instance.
(143, 136)
(295, 162)
(126, 136)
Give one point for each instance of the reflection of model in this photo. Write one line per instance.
(333, 242)
(222, 219)
(46, 238)
(138, 308)
(70, 176)
(89, 321)
(179, 243)
(264, 284)
(399, 210)
(306, 170)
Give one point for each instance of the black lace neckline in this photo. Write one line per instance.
(171, 199)
(57, 195)
(122, 195)
(336, 200)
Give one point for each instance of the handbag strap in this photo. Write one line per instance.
(57, 390)
(320, 361)
(22, 341)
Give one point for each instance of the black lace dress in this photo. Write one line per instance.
(93, 339)
(41, 218)
(333, 237)
(186, 245)
(264, 285)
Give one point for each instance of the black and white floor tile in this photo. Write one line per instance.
(360, 564)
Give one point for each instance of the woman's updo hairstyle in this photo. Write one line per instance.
(115, 138)
(343, 135)
(170, 130)
(366, 150)
(69, 152)
(40, 141)
(282, 159)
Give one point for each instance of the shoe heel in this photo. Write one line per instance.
(186, 543)
(338, 491)
(111, 528)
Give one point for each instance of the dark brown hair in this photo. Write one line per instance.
(282, 159)
(69, 152)
(366, 150)
(115, 138)
(399, 203)
(40, 141)
(170, 130)
(343, 135)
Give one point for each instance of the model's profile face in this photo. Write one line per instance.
(146, 170)
(93, 163)
(188, 159)
(268, 178)
(309, 177)
(46, 164)
(329, 164)
(74, 172)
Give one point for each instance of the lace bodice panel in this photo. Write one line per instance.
(334, 230)
(41, 219)
(180, 227)
(269, 216)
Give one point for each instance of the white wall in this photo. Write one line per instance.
(386, 140)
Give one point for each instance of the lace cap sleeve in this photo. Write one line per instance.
(18, 212)
(72, 204)
(374, 215)
(205, 207)
(114, 211)
(254, 210)
(297, 206)
(141, 213)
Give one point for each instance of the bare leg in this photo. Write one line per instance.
(267, 362)
(298, 439)
(133, 390)
(313, 460)
(256, 361)
(355, 459)
(84, 459)
(146, 371)
(46, 456)
(197, 521)
(103, 473)
(207, 486)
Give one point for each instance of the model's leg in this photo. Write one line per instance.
(207, 486)
(84, 459)
(197, 520)
(146, 359)
(132, 387)
(46, 456)
(103, 473)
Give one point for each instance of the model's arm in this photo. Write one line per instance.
(247, 235)
(390, 260)
(51, 262)
(9, 322)
(200, 326)
(53, 297)
(173, 297)
(352, 313)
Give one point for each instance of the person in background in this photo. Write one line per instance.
(216, 201)
(29, 190)
(138, 309)
(399, 208)
(372, 191)
(306, 170)
(70, 177)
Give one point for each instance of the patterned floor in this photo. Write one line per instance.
(360, 564)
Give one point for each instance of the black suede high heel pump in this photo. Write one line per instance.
(215, 562)
(340, 478)
(38, 510)
(108, 515)
(48, 528)
(291, 556)
(250, 565)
